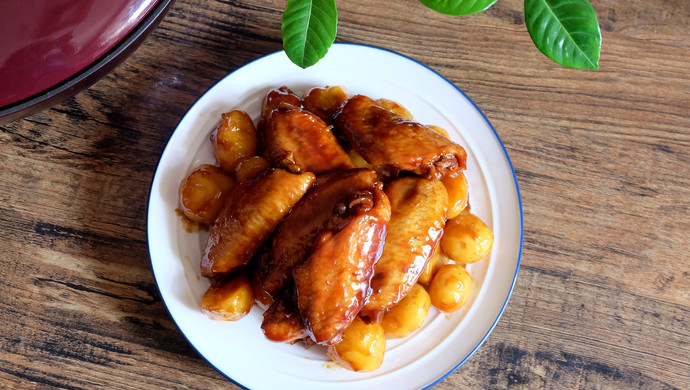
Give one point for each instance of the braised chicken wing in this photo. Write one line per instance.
(332, 284)
(295, 236)
(386, 138)
(418, 215)
(300, 141)
(251, 212)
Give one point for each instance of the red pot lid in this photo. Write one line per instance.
(45, 42)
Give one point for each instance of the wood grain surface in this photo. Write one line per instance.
(602, 157)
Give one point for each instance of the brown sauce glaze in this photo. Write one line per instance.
(384, 137)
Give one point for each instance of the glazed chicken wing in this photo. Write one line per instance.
(333, 282)
(251, 212)
(294, 238)
(418, 215)
(385, 138)
(301, 141)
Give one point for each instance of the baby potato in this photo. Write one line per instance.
(467, 239)
(439, 130)
(234, 138)
(203, 192)
(450, 288)
(437, 261)
(324, 101)
(358, 160)
(250, 167)
(408, 315)
(457, 194)
(361, 348)
(395, 107)
(230, 301)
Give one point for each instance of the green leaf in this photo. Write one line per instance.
(458, 7)
(308, 30)
(566, 31)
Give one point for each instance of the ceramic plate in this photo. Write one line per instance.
(238, 349)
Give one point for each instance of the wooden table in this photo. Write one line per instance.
(602, 299)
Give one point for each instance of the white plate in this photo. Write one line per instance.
(238, 349)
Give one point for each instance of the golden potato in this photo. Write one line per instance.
(408, 315)
(230, 301)
(361, 348)
(324, 101)
(395, 107)
(467, 239)
(450, 288)
(235, 138)
(438, 260)
(250, 167)
(261, 297)
(439, 130)
(358, 160)
(458, 194)
(203, 192)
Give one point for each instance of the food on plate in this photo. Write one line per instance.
(358, 160)
(438, 260)
(341, 217)
(408, 315)
(418, 213)
(203, 192)
(324, 101)
(333, 234)
(282, 320)
(450, 288)
(362, 347)
(301, 142)
(439, 130)
(233, 139)
(314, 213)
(386, 138)
(467, 239)
(395, 107)
(458, 195)
(250, 167)
(343, 258)
(263, 299)
(229, 301)
(250, 214)
(276, 98)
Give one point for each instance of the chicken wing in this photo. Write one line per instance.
(418, 215)
(332, 284)
(301, 141)
(383, 137)
(251, 212)
(294, 238)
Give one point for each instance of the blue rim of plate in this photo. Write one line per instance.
(505, 152)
